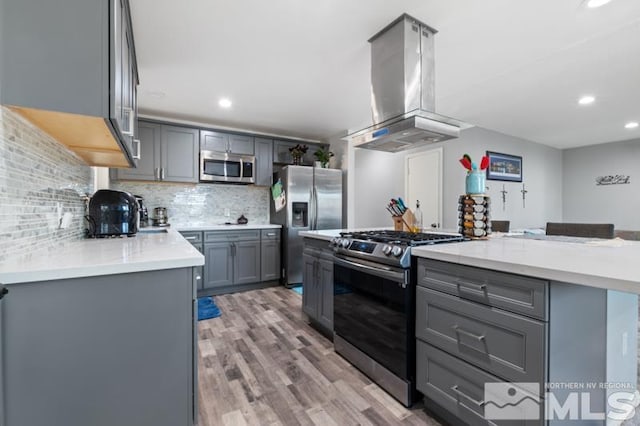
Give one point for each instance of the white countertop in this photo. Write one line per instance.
(324, 234)
(203, 226)
(608, 264)
(146, 251)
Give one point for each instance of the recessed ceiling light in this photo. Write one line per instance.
(225, 103)
(596, 3)
(586, 100)
(631, 125)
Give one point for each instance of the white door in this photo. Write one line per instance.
(423, 181)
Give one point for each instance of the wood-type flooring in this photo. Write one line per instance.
(260, 363)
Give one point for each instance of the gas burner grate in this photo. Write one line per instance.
(406, 238)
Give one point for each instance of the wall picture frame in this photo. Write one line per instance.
(504, 167)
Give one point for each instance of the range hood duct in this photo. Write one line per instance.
(402, 90)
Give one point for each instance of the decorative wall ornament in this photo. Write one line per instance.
(613, 180)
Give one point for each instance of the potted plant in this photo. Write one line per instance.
(297, 152)
(323, 155)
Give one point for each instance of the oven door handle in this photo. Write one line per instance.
(379, 272)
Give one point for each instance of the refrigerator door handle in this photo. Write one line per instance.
(315, 208)
(312, 210)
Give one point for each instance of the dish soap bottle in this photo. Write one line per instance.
(417, 223)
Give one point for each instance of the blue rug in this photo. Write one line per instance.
(207, 308)
(297, 289)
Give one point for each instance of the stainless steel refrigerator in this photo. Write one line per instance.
(313, 201)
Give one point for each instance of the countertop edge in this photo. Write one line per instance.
(590, 279)
(154, 251)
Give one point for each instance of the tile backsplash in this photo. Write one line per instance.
(202, 203)
(39, 179)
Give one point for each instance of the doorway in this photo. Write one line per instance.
(423, 181)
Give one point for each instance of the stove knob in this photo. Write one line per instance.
(396, 251)
(334, 241)
(386, 249)
(344, 242)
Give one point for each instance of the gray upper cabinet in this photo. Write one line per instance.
(68, 65)
(226, 142)
(167, 153)
(179, 154)
(146, 166)
(264, 162)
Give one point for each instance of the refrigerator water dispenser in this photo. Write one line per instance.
(299, 215)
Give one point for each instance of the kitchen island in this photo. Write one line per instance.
(560, 317)
(101, 332)
(554, 318)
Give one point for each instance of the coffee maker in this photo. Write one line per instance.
(142, 211)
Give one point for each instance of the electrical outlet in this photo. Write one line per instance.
(66, 220)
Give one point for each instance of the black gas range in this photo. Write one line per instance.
(374, 305)
(388, 247)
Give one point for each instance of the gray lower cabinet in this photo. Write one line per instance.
(167, 153)
(101, 351)
(195, 238)
(270, 255)
(476, 326)
(231, 258)
(317, 283)
(218, 264)
(264, 161)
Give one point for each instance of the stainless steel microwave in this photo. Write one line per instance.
(225, 167)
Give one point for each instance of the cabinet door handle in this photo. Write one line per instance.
(455, 389)
(130, 119)
(136, 156)
(464, 332)
(478, 287)
(192, 238)
(198, 277)
(271, 234)
(156, 173)
(162, 173)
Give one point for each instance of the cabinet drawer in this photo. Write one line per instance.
(271, 234)
(221, 236)
(510, 346)
(515, 293)
(458, 387)
(194, 237)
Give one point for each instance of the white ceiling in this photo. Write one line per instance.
(301, 68)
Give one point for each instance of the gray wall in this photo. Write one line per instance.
(584, 201)
(380, 176)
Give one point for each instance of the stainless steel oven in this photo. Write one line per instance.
(373, 308)
(225, 167)
(374, 305)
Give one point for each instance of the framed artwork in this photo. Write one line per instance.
(504, 167)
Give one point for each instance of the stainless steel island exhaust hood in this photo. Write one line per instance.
(402, 90)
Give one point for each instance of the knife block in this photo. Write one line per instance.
(404, 222)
